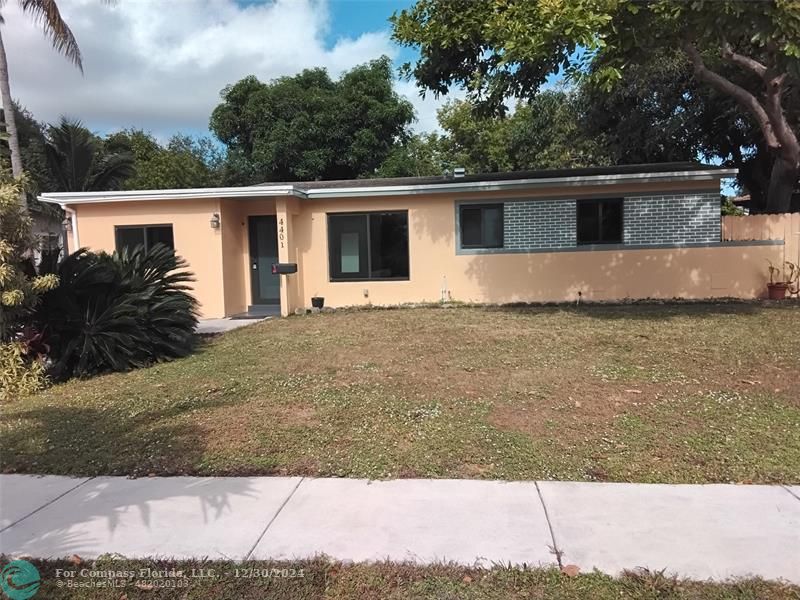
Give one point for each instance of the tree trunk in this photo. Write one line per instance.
(781, 185)
(8, 113)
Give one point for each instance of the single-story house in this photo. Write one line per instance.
(606, 233)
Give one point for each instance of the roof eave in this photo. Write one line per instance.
(67, 198)
(64, 198)
(492, 186)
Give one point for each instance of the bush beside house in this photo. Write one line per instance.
(22, 370)
(91, 313)
(115, 312)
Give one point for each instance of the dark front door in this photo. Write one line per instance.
(265, 286)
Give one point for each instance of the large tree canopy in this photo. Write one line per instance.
(183, 163)
(310, 127)
(508, 48)
(545, 132)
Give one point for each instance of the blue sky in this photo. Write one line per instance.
(351, 18)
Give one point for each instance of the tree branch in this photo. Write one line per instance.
(745, 62)
(790, 147)
(741, 95)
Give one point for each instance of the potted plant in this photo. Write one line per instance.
(317, 302)
(783, 280)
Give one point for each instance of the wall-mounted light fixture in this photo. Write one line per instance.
(214, 221)
(67, 224)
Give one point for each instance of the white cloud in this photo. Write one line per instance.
(161, 65)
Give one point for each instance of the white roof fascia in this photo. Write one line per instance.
(496, 186)
(65, 198)
(181, 194)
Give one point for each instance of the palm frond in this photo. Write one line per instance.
(46, 14)
(111, 171)
(70, 153)
(117, 312)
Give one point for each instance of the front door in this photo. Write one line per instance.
(265, 287)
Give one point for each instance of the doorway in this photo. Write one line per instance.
(264, 286)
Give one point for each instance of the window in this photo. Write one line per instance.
(130, 236)
(368, 246)
(481, 225)
(600, 221)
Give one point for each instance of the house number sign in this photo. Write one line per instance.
(281, 235)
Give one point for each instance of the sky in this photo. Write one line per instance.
(159, 65)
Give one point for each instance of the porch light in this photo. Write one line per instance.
(214, 221)
(67, 224)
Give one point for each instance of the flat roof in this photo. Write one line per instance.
(346, 188)
(646, 168)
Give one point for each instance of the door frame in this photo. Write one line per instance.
(255, 273)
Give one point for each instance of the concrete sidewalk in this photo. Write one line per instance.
(697, 531)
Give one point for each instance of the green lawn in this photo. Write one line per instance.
(681, 393)
(318, 579)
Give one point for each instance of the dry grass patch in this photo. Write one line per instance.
(690, 393)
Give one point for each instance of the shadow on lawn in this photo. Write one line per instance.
(65, 440)
(647, 311)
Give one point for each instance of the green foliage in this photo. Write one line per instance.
(309, 127)
(78, 162)
(496, 50)
(419, 156)
(729, 209)
(118, 312)
(19, 373)
(545, 132)
(19, 288)
(183, 163)
(644, 61)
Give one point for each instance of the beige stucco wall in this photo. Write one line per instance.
(195, 240)
(220, 258)
(435, 268)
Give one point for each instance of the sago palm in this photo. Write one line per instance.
(46, 14)
(77, 162)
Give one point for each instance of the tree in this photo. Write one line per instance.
(184, 162)
(46, 14)
(419, 156)
(660, 113)
(309, 127)
(19, 289)
(78, 162)
(545, 132)
(501, 49)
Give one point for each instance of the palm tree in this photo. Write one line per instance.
(46, 14)
(78, 162)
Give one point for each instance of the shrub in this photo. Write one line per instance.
(20, 374)
(19, 288)
(118, 312)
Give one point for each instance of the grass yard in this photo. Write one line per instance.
(680, 393)
(320, 579)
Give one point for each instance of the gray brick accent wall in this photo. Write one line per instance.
(538, 224)
(675, 219)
